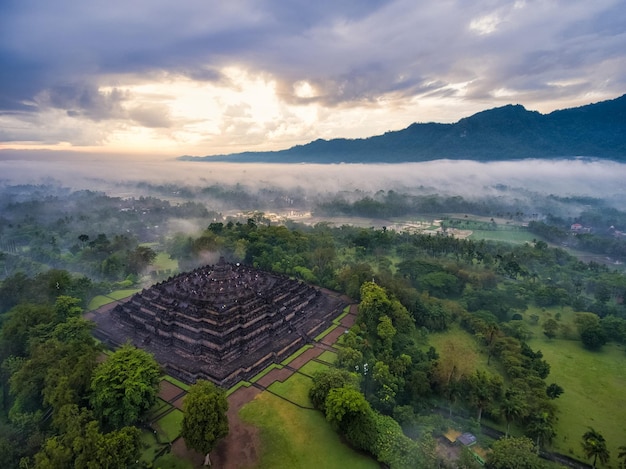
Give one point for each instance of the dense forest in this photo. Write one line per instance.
(59, 248)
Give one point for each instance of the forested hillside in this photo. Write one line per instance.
(506, 133)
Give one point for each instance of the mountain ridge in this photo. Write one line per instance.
(503, 133)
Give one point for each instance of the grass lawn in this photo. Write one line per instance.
(295, 388)
(298, 438)
(170, 461)
(595, 393)
(121, 294)
(98, 301)
(150, 446)
(312, 367)
(507, 236)
(465, 345)
(328, 356)
(163, 262)
(169, 426)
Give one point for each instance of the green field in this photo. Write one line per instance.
(164, 262)
(170, 425)
(312, 367)
(101, 300)
(506, 236)
(328, 356)
(294, 389)
(298, 438)
(595, 393)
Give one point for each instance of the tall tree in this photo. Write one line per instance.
(483, 390)
(124, 386)
(515, 453)
(512, 407)
(205, 421)
(594, 446)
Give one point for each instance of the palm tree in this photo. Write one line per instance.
(594, 446)
(512, 408)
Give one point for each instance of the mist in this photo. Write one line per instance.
(598, 178)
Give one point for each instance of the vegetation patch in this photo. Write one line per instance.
(295, 437)
(311, 367)
(171, 461)
(295, 389)
(595, 393)
(124, 293)
(164, 262)
(507, 236)
(328, 356)
(170, 425)
(98, 301)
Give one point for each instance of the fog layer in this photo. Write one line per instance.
(601, 179)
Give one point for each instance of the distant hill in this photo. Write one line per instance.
(505, 133)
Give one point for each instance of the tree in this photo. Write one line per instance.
(512, 407)
(324, 381)
(594, 446)
(550, 328)
(553, 391)
(205, 420)
(484, 389)
(124, 386)
(85, 446)
(593, 338)
(513, 452)
(343, 404)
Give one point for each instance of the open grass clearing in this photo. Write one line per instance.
(298, 438)
(149, 446)
(99, 301)
(170, 425)
(595, 393)
(463, 344)
(171, 461)
(505, 236)
(125, 293)
(295, 389)
(328, 356)
(312, 367)
(164, 262)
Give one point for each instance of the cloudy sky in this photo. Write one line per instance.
(206, 77)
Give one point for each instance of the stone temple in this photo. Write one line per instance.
(224, 322)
